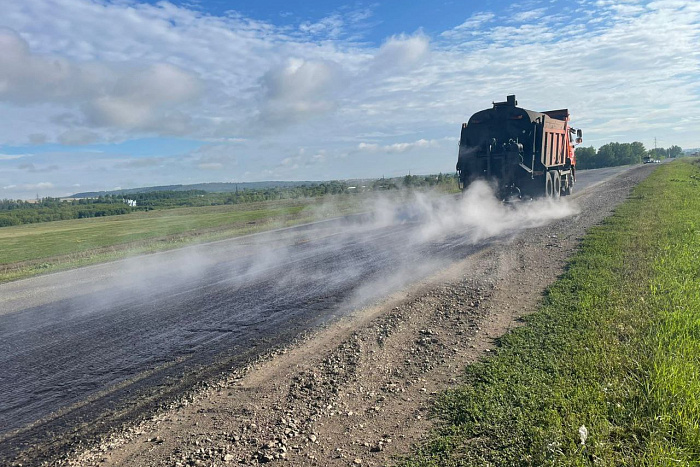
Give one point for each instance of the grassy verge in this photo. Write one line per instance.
(615, 348)
(33, 249)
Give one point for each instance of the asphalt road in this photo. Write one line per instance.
(83, 350)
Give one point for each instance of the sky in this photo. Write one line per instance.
(109, 94)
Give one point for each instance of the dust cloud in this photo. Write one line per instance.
(400, 237)
(480, 215)
(432, 230)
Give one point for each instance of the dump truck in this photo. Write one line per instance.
(525, 154)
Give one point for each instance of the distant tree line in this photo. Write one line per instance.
(428, 181)
(614, 154)
(17, 212)
(194, 198)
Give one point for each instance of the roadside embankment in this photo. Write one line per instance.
(606, 372)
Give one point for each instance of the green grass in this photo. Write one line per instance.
(32, 249)
(27, 250)
(615, 347)
(32, 241)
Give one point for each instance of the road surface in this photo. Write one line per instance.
(84, 350)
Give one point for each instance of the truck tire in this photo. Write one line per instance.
(548, 185)
(569, 184)
(556, 183)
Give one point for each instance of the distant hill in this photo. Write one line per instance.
(210, 187)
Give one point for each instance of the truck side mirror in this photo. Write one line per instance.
(579, 133)
(579, 140)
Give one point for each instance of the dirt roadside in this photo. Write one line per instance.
(359, 391)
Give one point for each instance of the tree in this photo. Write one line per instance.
(585, 157)
(675, 151)
(638, 152)
(607, 156)
(658, 153)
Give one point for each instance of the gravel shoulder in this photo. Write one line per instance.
(359, 391)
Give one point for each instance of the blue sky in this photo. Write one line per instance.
(101, 94)
(382, 19)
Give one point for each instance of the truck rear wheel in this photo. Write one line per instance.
(556, 182)
(569, 188)
(548, 185)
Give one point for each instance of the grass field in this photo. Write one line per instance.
(32, 249)
(607, 372)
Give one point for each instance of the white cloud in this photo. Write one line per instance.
(25, 78)
(317, 158)
(79, 71)
(140, 99)
(10, 157)
(77, 136)
(302, 159)
(368, 147)
(37, 138)
(345, 23)
(216, 156)
(298, 90)
(291, 162)
(109, 95)
(211, 166)
(397, 147)
(528, 15)
(470, 27)
(402, 52)
(140, 163)
(30, 167)
(30, 186)
(331, 26)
